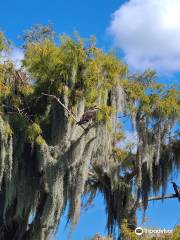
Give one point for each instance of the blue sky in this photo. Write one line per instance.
(147, 32)
(89, 17)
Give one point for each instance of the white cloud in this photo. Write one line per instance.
(148, 32)
(16, 55)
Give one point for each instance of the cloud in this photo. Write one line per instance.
(16, 55)
(148, 32)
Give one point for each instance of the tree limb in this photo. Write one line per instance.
(69, 112)
(19, 75)
(18, 111)
(162, 197)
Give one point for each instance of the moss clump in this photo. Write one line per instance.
(40, 140)
(33, 134)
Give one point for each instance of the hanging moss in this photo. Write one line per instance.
(48, 162)
(154, 119)
(5, 151)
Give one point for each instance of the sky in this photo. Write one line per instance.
(147, 35)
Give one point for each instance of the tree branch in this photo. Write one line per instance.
(17, 110)
(162, 197)
(69, 112)
(19, 75)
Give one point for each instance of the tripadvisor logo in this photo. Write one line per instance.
(139, 231)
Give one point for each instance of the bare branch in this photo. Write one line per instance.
(17, 110)
(162, 197)
(69, 112)
(19, 75)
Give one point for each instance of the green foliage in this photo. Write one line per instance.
(34, 134)
(40, 140)
(169, 104)
(120, 154)
(43, 61)
(176, 233)
(1, 41)
(127, 233)
(27, 90)
(153, 99)
(4, 43)
(6, 73)
(104, 113)
(8, 130)
(85, 71)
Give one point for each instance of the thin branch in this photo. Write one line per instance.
(162, 197)
(157, 198)
(69, 112)
(19, 75)
(18, 111)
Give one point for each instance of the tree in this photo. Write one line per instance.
(48, 162)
